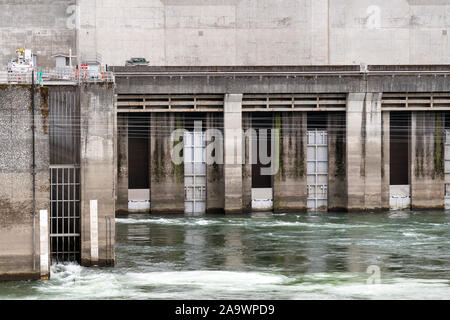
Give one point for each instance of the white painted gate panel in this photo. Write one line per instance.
(317, 170)
(194, 173)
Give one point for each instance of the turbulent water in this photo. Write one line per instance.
(403, 255)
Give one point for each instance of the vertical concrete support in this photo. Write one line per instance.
(364, 144)
(427, 160)
(385, 160)
(289, 185)
(44, 244)
(233, 152)
(337, 173)
(215, 200)
(19, 246)
(97, 119)
(122, 163)
(249, 143)
(166, 177)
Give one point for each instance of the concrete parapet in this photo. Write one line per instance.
(289, 185)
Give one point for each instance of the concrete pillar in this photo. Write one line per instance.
(97, 121)
(364, 143)
(385, 160)
(337, 173)
(247, 165)
(289, 184)
(166, 177)
(16, 182)
(427, 160)
(122, 163)
(233, 153)
(215, 199)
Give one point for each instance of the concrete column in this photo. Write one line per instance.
(233, 152)
(427, 160)
(97, 120)
(364, 144)
(18, 245)
(385, 160)
(289, 184)
(247, 166)
(166, 177)
(122, 163)
(337, 174)
(215, 199)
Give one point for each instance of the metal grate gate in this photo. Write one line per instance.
(65, 240)
(317, 170)
(195, 173)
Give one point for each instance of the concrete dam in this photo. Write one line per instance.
(243, 106)
(337, 139)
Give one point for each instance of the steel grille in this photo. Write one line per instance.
(65, 241)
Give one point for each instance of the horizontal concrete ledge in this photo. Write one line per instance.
(436, 208)
(290, 210)
(101, 263)
(365, 210)
(167, 211)
(218, 69)
(284, 84)
(272, 70)
(11, 276)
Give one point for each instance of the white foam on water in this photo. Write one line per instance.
(167, 221)
(75, 282)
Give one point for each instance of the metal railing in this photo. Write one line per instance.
(58, 74)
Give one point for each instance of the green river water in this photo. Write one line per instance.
(263, 256)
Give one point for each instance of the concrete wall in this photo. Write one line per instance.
(289, 184)
(97, 120)
(427, 160)
(122, 163)
(247, 165)
(233, 155)
(267, 32)
(214, 172)
(166, 177)
(16, 184)
(337, 168)
(231, 32)
(364, 149)
(45, 26)
(385, 159)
